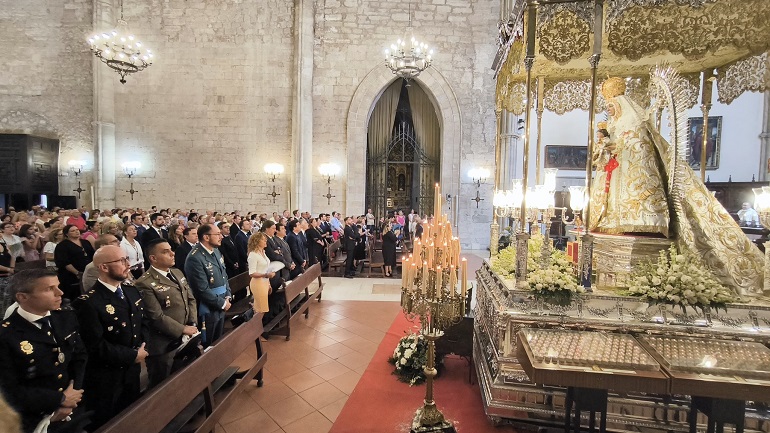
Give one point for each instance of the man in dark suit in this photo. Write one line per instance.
(169, 307)
(180, 255)
(207, 275)
(296, 244)
(229, 251)
(156, 231)
(242, 243)
(42, 357)
(351, 237)
(111, 323)
(138, 221)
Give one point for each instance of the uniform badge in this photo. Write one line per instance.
(110, 309)
(123, 324)
(152, 284)
(109, 328)
(61, 358)
(168, 302)
(26, 347)
(211, 280)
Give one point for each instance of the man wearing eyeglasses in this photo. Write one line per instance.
(207, 275)
(111, 326)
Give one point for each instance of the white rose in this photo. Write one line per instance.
(403, 361)
(408, 353)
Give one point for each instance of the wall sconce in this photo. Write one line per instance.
(130, 168)
(329, 171)
(273, 170)
(76, 167)
(479, 176)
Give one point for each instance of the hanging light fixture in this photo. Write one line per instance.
(120, 50)
(408, 58)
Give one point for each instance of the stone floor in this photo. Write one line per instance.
(308, 379)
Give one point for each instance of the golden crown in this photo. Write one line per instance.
(612, 87)
(601, 125)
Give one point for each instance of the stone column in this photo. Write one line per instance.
(302, 108)
(105, 14)
(764, 137)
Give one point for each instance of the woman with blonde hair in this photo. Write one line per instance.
(258, 271)
(54, 237)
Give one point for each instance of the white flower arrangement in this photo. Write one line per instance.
(554, 281)
(679, 278)
(409, 358)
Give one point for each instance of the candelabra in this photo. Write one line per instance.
(273, 170)
(130, 168)
(77, 168)
(430, 292)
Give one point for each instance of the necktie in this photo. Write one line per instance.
(120, 293)
(172, 278)
(45, 326)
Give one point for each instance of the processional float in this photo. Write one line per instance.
(556, 55)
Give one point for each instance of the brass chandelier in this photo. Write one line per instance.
(120, 50)
(407, 59)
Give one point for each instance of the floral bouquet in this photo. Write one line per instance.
(554, 283)
(679, 278)
(505, 262)
(410, 357)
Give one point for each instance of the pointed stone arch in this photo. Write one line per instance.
(365, 97)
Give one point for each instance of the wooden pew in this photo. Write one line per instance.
(298, 296)
(169, 406)
(336, 256)
(239, 287)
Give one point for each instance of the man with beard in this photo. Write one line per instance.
(42, 357)
(111, 324)
(207, 275)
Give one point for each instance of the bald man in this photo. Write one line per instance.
(111, 325)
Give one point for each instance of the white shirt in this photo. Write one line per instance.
(32, 318)
(112, 289)
(134, 252)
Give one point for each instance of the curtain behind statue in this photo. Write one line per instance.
(428, 133)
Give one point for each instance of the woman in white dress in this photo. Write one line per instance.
(258, 271)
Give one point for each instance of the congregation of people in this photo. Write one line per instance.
(124, 287)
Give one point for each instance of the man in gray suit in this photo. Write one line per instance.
(170, 307)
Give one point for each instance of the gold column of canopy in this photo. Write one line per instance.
(706, 87)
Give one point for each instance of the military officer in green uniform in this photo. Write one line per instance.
(169, 306)
(42, 358)
(207, 276)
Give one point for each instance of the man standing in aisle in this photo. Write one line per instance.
(351, 236)
(169, 307)
(206, 272)
(111, 324)
(42, 358)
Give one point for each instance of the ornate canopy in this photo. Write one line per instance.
(730, 36)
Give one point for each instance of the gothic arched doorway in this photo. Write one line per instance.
(403, 151)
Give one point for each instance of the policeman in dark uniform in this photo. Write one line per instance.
(207, 275)
(42, 358)
(111, 325)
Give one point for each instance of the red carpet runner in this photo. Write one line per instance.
(380, 403)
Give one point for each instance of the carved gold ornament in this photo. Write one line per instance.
(752, 74)
(563, 38)
(612, 87)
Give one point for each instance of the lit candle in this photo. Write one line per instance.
(438, 282)
(403, 273)
(424, 277)
(452, 280)
(417, 248)
(437, 201)
(412, 273)
(464, 277)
